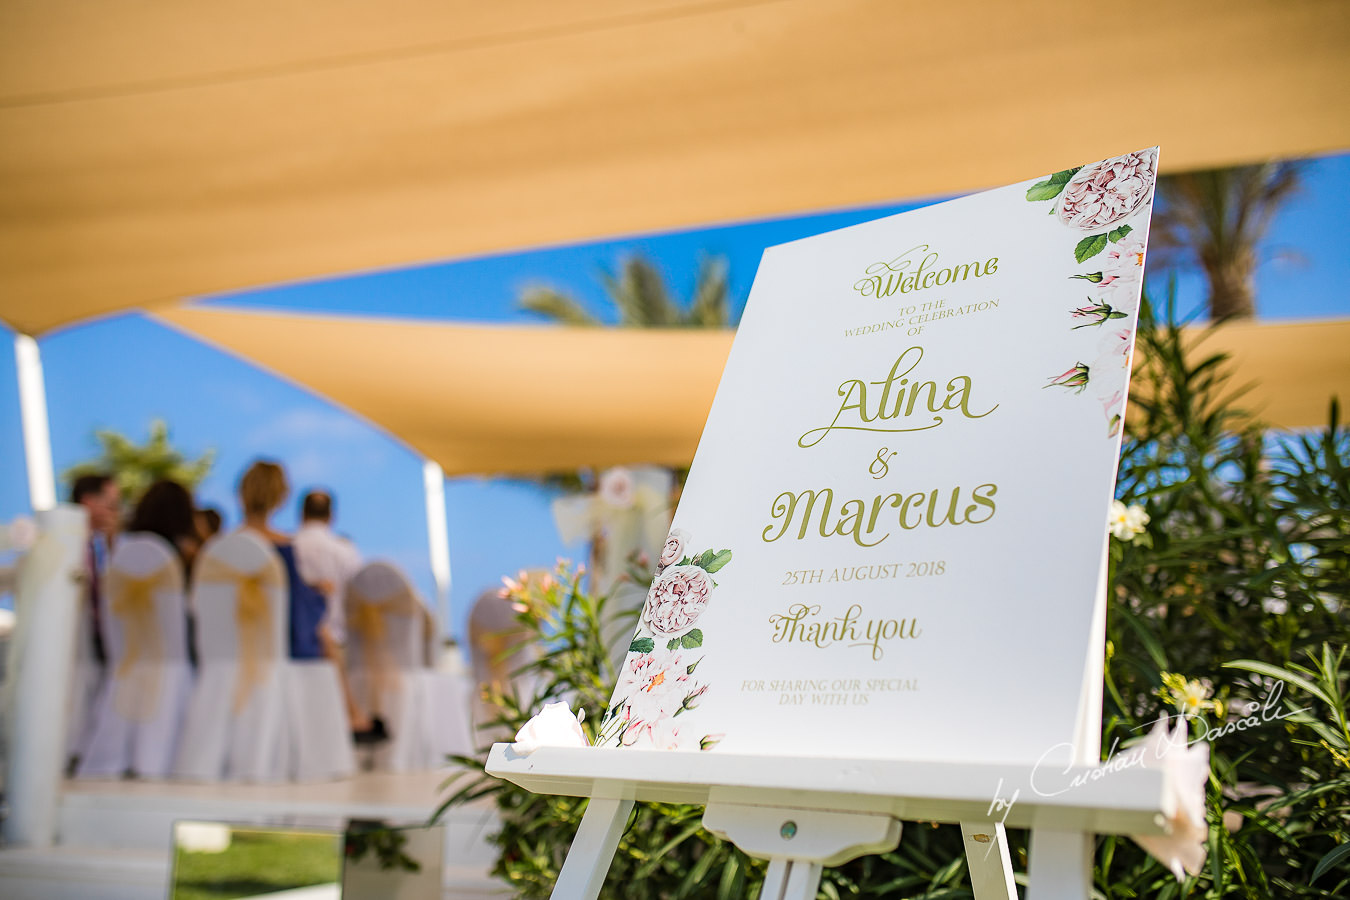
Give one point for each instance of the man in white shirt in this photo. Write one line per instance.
(325, 560)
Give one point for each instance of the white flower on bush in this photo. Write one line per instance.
(1182, 849)
(552, 726)
(1127, 521)
(20, 534)
(655, 686)
(1105, 193)
(676, 599)
(618, 488)
(673, 551)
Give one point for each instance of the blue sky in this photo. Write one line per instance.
(123, 372)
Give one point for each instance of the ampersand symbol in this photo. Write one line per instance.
(882, 464)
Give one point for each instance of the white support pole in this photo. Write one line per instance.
(438, 538)
(37, 440)
(47, 601)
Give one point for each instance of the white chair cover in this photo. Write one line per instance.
(426, 711)
(256, 715)
(140, 709)
(499, 647)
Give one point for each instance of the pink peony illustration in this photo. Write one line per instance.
(1105, 193)
(676, 600)
(673, 551)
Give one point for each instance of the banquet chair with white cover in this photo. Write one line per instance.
(140, 709)
(256, 715)
(426, 711)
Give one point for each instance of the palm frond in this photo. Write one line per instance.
(556, 307)
(709, 308)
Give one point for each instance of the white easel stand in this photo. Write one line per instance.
(805, 814)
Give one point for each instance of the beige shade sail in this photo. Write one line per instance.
(153, 150)
(516, 400)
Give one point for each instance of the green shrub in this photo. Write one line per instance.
(1236, 591)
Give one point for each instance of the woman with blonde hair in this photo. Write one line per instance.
(262, 490)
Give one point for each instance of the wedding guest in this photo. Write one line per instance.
(262, 490)
(166, 509)
(209, 522)
(101, 498)
(325, 560)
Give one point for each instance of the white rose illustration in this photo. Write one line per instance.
(1105, 193)
(1109, 373)
(1122, 272)
(673, 551)
(655, 686)
(676, 600)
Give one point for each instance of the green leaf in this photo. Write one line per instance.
(692, 639)
(1052, 186)
(702, 559)
(642, 645)
(692, 666)
(1044, 190)
(1115, 236)
(716, 561)
(1089, 247)
(673, 643)
(1285, 675)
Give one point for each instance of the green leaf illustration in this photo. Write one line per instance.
(672, 643)
(1115, 236)
(692, 666)
(1094, 277)
(692, 639)
(1089, 247)
(702, 559)
(716, 561)
(685, 562)
(642, 645)
(1052, 186)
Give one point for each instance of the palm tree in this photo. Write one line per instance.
(641, 297)
(1216, 218)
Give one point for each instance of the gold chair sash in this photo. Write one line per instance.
(253, 621)
(369, 620)
(136, 680)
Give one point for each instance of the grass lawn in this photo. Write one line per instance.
(258, 862)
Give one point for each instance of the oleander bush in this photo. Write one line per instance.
(1229, 606)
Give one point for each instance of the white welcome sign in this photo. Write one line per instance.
(883, 596)
(892, 541)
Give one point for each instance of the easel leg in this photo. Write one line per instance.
(791, 879)
(588, 860)
(1061, 865)
(990, 864)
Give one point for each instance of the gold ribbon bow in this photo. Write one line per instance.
(253, 621)
(136, 681)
